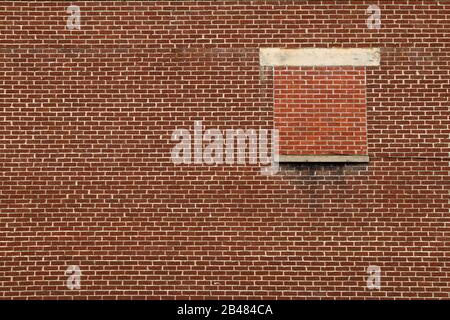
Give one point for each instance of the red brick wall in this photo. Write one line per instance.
(86, 118)
(320, 110)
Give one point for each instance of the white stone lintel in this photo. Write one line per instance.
(319, 57)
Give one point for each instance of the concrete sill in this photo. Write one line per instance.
(324, 158)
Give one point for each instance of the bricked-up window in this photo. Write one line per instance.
(320, 110)
(320, 103)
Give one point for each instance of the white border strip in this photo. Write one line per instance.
(319, 57)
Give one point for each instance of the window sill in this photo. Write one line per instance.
(324, 158)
